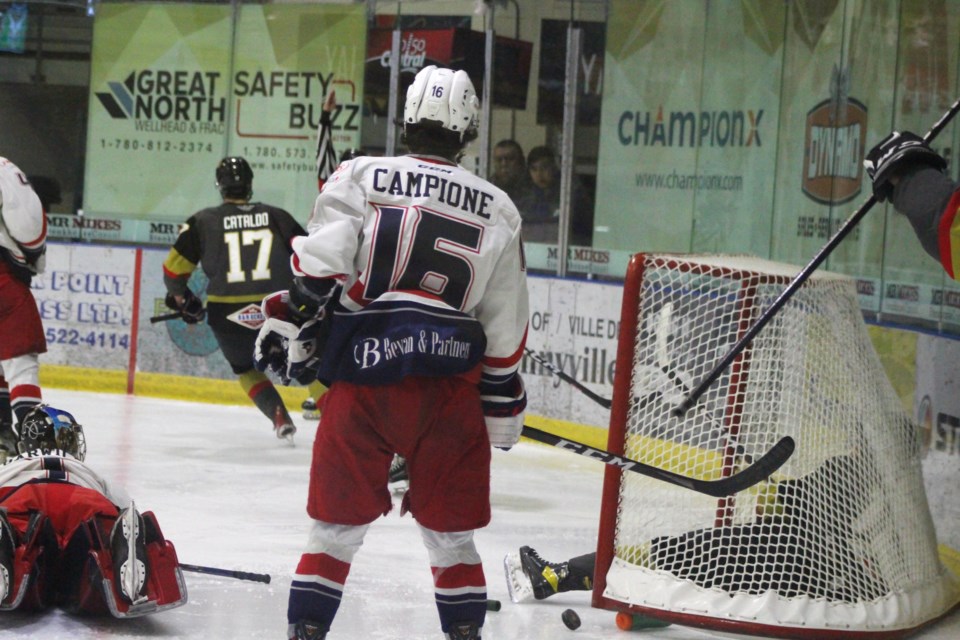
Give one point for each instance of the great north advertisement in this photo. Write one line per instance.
(168, 100)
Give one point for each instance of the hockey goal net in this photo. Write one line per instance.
(839, 542)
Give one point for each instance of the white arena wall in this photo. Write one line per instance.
(96, 302)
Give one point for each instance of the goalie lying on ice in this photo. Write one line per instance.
(69, 538)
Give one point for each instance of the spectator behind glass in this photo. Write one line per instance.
(539, 206)
(509, 169)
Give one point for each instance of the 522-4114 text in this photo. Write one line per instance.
(91, 339)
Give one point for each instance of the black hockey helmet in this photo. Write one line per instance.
(50, 431)
(235, 178)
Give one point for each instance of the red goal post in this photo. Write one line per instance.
(839, 542)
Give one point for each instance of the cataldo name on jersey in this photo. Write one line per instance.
(246, 221)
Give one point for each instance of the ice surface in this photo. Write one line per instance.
(230, 495)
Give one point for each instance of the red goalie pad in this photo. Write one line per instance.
(165, 585)
(27, 590)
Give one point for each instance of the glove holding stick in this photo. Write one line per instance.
(293, 333)
(188, 305)
(894, 154)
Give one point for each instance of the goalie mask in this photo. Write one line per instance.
(51, 431)
(442, 97)
(235, 178)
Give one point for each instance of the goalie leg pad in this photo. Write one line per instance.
(128, 548)
(8, 545)
(32, 550)
(102, 586)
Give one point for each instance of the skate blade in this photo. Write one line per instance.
(286, 438)
(518, 584)
(398, 488)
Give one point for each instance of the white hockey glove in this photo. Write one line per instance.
(503, 410)
(286, 345)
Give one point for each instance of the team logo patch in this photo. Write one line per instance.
(250, 316)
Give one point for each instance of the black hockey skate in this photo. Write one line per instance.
(464, 631)
(128, 549)
(309, 630)
(398, 480)
(310, 410)
(528, 574)
(8, 544)
(282, 425)
(8, 441)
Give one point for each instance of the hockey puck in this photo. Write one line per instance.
(493, 605)
(571, 619)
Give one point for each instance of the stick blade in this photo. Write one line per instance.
(756, 473)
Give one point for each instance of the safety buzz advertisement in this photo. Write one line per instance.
(174, 88)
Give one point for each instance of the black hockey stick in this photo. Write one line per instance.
(163, 317)
(755, 473)
(798, 281)
(227, 573)
(166, 316)
(606, 403)
(552, 368)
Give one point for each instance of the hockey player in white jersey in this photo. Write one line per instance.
(410, 300)
(23, 236)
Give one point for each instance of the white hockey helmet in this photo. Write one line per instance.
(442, 96)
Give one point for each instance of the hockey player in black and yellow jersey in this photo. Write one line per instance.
(244, 249)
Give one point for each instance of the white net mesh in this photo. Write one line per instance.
(841, 536)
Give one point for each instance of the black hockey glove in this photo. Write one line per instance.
(308, 297)
(894, 155)
(191, 309)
